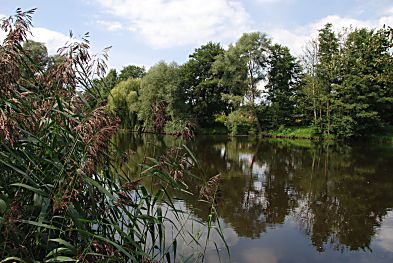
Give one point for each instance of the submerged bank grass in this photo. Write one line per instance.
(384, 134)
(62, 199)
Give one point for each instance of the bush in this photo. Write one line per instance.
(240, 122)
(180, 127)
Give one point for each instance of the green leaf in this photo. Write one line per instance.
(100, 188)
(64, 243)
(191, 154)
(58, 251)
(37, 199)
(61, 259)
(35, 190)
(3, 206)
(12, 259)
(120, 248)
(39, 224)
(13, 167)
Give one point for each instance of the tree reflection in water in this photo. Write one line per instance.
(338, 195)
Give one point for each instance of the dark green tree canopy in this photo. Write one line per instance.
(283, 77)
(37, 54)
(202, 92)
(132, 71)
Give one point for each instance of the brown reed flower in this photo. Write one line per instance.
(209, 190)
(95, 134)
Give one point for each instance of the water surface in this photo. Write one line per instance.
(289, 200)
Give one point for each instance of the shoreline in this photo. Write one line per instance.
(290, 133)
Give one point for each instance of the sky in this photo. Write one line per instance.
(143, 32)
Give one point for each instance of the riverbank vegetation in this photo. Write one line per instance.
(63, 196)
(340, 87)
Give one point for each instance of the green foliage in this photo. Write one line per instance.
(101, 87)
(132, 72)
(294, 132)
(202, 92)
(159, 102)
(363, 99)
(38, 54)
(348, 87)
(178, 127)
(124, 100)
(220, 118)
(344, 87)
(283, 75)
(240, 122)
(243, 67)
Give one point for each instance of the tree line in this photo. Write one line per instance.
(341, 86)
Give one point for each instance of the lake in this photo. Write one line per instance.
(286, 200)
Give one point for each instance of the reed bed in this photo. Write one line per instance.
(62, 198)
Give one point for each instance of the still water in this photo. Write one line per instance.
(288, 200)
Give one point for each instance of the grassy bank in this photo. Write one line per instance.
(298, 133)
(307, 133)
(384, 134)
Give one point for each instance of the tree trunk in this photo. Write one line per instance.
(328, 116)
(314, 103)
(320, 117)
(259, 126)
(253, 106)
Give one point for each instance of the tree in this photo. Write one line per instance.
(103, 86)
(132, 71)
(244, 66)
(254, 52)
(363, 99)
(37, 54)
(283, 75)
(202, 92)
(159, 103)
(327, 69)
(111, 79)
(124, 100)
(310, 96)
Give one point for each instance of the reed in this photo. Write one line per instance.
(62, 199)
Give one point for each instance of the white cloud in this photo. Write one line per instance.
(268, 1)
(110, 25)
(169, 23)
(384, 237)
(296, 38)
(389, 11)
(254, 255)
(53, 40)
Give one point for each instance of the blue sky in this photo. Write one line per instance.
(142, 32)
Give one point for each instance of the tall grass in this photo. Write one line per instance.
(62, 199)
